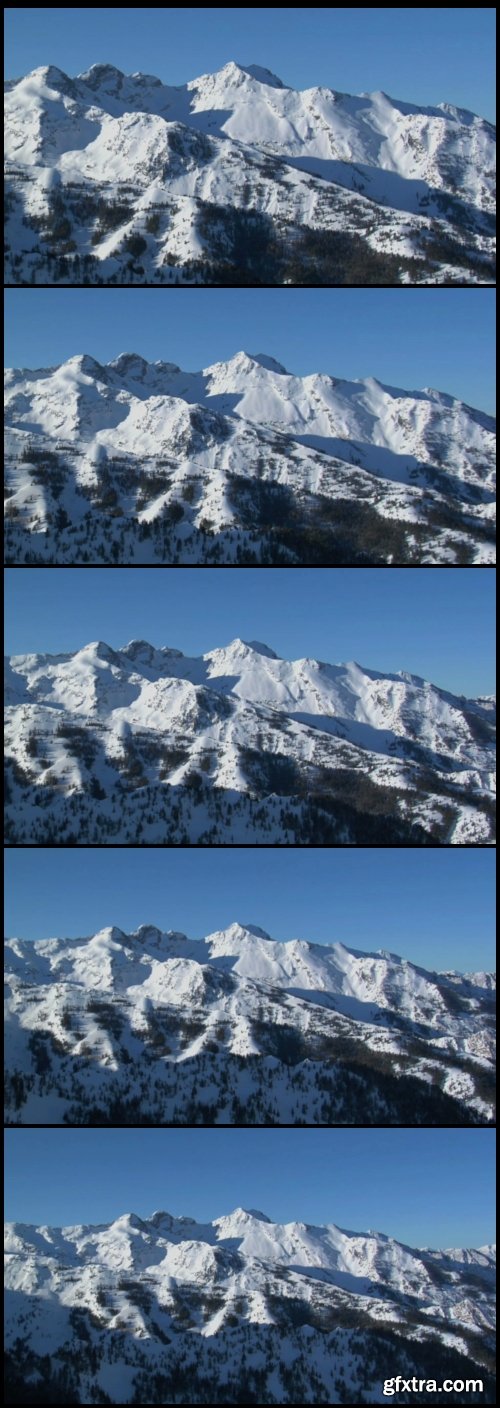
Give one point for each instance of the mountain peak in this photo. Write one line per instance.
(98, 650)
(261, 649)
(147, 931)
(51, 74)
(239, 73)
(139, 650)
(100, 73)
(253, 1213)
(129, 1221)
(241, 358)
(230, 75)
(142, 653)
(129, 361)
(110, 933)
(231, 67)
(252, 647)
(161, 1218)
(85, 363)
(237, 932)
(244, 1215)
(265, 75)
(253, 929)
(269, 363)
(248, 361)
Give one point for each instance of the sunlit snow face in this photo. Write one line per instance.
(174, 161)
(263, 1023)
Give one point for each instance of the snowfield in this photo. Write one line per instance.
(234, 176)
(150, 746)
(241, 462)
(154, 1027)
(149, 1308)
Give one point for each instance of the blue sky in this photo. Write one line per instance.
(436, 622)
(405, 337)
(427, 1187)
(422, 55)
(435, 907)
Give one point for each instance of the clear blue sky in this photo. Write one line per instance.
(422, 55)
(427, 1187)
(435, 907)
(405, 337)
(436, 622)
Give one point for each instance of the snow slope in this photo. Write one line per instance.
(129, 740)
(136, 1014)
(166, 1249)
(147, 461)
(386, 170)
(143, 1303)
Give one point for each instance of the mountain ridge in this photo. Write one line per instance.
(241, 359)
(241, 461)
(240, 1214)
(232, 68)
(136, 646)
(132, 1306)
(248, 1015)
(218, 735)
(413, 185)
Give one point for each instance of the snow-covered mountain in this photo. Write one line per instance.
(236, 1028)
(243, 461)
(167, 1309)
(234, 177)
(151, 746)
